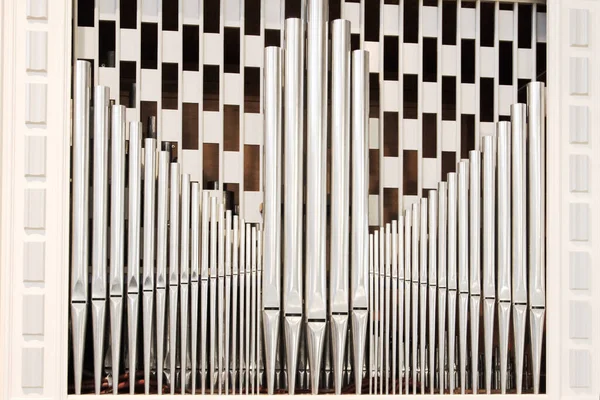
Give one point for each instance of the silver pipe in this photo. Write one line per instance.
(416, 213)
(463, 267)
(272, 209)
(100, 227)
(394, 304)
(161, 261)
(184, 275)
(407, 294)
(432, 257)
(489, 256)
(452, 275)
(294, 152)
(174, 215)
(227, 338)
(234, 302)
(360, 206)
(204, 285)
(316, 200)
(213, 296)
(371, 316)
(442, 277)
(259, 275)
(388, 274)
(249, 290)
(149, 245)
(504, 246)
(242, 318)
(376, 310)
(381, 313)
(475, 260)
(253, 339)
(221, 294)
(133, 251)
(537, 234)
(401, 284)
(194, 276)
(79, 227)
(340, 190)
(423, 289)
(519, 239)
(117, 235)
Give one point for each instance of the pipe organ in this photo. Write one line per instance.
(173, 292)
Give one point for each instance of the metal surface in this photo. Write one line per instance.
(272, 231)
(79, 217)
(519, 236)
(100, 224)
(340, 200)
(316, 170)
(536, 198)
(293, 197)
(133, 243)
(475, 261)
(359, 277)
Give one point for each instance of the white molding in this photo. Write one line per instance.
(56, 21)
(35, 67)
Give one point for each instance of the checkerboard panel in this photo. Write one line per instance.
(442, 73)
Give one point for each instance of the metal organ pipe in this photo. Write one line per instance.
(537, 233)
(340, 186)
(133, 242)
(293, 196)
(117, 234)
(489, 254)
(475, 260)
(100, 226)
(504, 246)
(316, 196)
(272, 230)
(519, 231)
(79, 218)
(359, 272)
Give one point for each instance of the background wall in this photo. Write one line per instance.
(442, 72)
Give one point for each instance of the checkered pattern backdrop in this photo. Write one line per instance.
(441, 74)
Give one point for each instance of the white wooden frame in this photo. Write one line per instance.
(35, 72)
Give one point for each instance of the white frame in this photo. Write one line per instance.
(22, 116)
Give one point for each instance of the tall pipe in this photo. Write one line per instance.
(173, 273)
(204, 287)
(79, 227)
(537, 233)
(463, 267)
(442, 277)
(194, 277)
(184, 275)
(272, 209)
(340, 196)
(149, 251)
(316, 199)
(133, 243)
(360, 206)
(416, 229)
(519, 231)
(228, 264)
(432, 282)
(293, 196)
(407, 294)
(489, 251)
(100, 227)
(221, 294)
(395, 243)
(234, 303)
(401, 306)
(504, 246)
(161, 260)
(423, 289)
(475, 260)
(452, 275)
(213, 265)
(117, 235)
